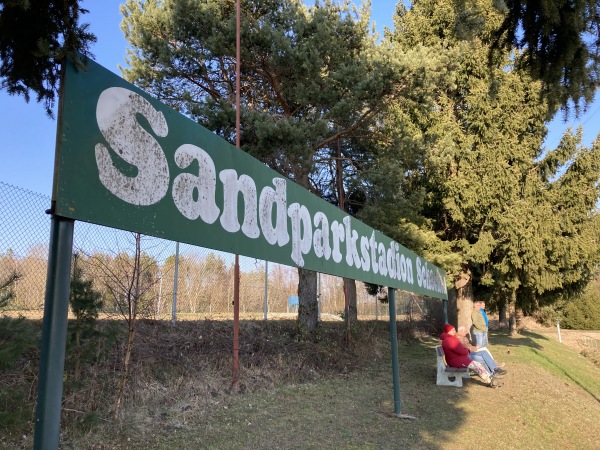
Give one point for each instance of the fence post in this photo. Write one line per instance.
(54, 335)
(175, 284)
(266, 304)
(318, 295)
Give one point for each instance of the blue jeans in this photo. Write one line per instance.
(480, 339)
(484, 357)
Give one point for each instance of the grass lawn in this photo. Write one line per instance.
(295, 395)
(550, 400)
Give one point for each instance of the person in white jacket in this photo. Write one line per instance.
(480, 354)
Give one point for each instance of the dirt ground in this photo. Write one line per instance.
(582, 341)
(576, 339)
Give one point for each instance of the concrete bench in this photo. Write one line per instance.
(445, 372)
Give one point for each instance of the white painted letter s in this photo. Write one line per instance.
(116, 116)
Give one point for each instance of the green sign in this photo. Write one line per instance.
(128, 161)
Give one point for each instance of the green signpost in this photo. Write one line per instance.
(127, 161)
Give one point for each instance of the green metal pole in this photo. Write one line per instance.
(394, 342)
(54, 335)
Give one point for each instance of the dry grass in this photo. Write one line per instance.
(296, 394)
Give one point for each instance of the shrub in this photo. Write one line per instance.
(583, 313)
(550, 314)
(19, 339)
(85, 303)
(6, 288)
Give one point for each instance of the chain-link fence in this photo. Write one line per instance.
(202, 288)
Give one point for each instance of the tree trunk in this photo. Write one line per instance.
(502, 313)
(125, 374)
(133, 298)
(464, 299)
(512, 323)
(308, 308)
(350, 292)
(452, 307)
(512, 308)
(518, 318)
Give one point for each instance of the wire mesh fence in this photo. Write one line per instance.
(178, 280)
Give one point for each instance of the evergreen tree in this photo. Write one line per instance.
(498, 209)
(34, 37)
(86, 304)
(560, 40)
(583, 312)
(6, 288)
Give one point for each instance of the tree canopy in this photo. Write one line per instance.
(499, 210)
(559, 38)
(34, 37)
(560, 43)
(310, 77)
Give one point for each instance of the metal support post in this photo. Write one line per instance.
(54, 335)
(175, 285)
(394, 345)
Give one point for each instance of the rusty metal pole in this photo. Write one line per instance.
(236, 322)
(236, 270)
(338, 170)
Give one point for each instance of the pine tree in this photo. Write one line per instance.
(312, 80)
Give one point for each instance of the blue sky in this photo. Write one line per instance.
(27, 135)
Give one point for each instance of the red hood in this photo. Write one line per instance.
(444, 335)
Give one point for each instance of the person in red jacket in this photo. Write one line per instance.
(457, 355)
